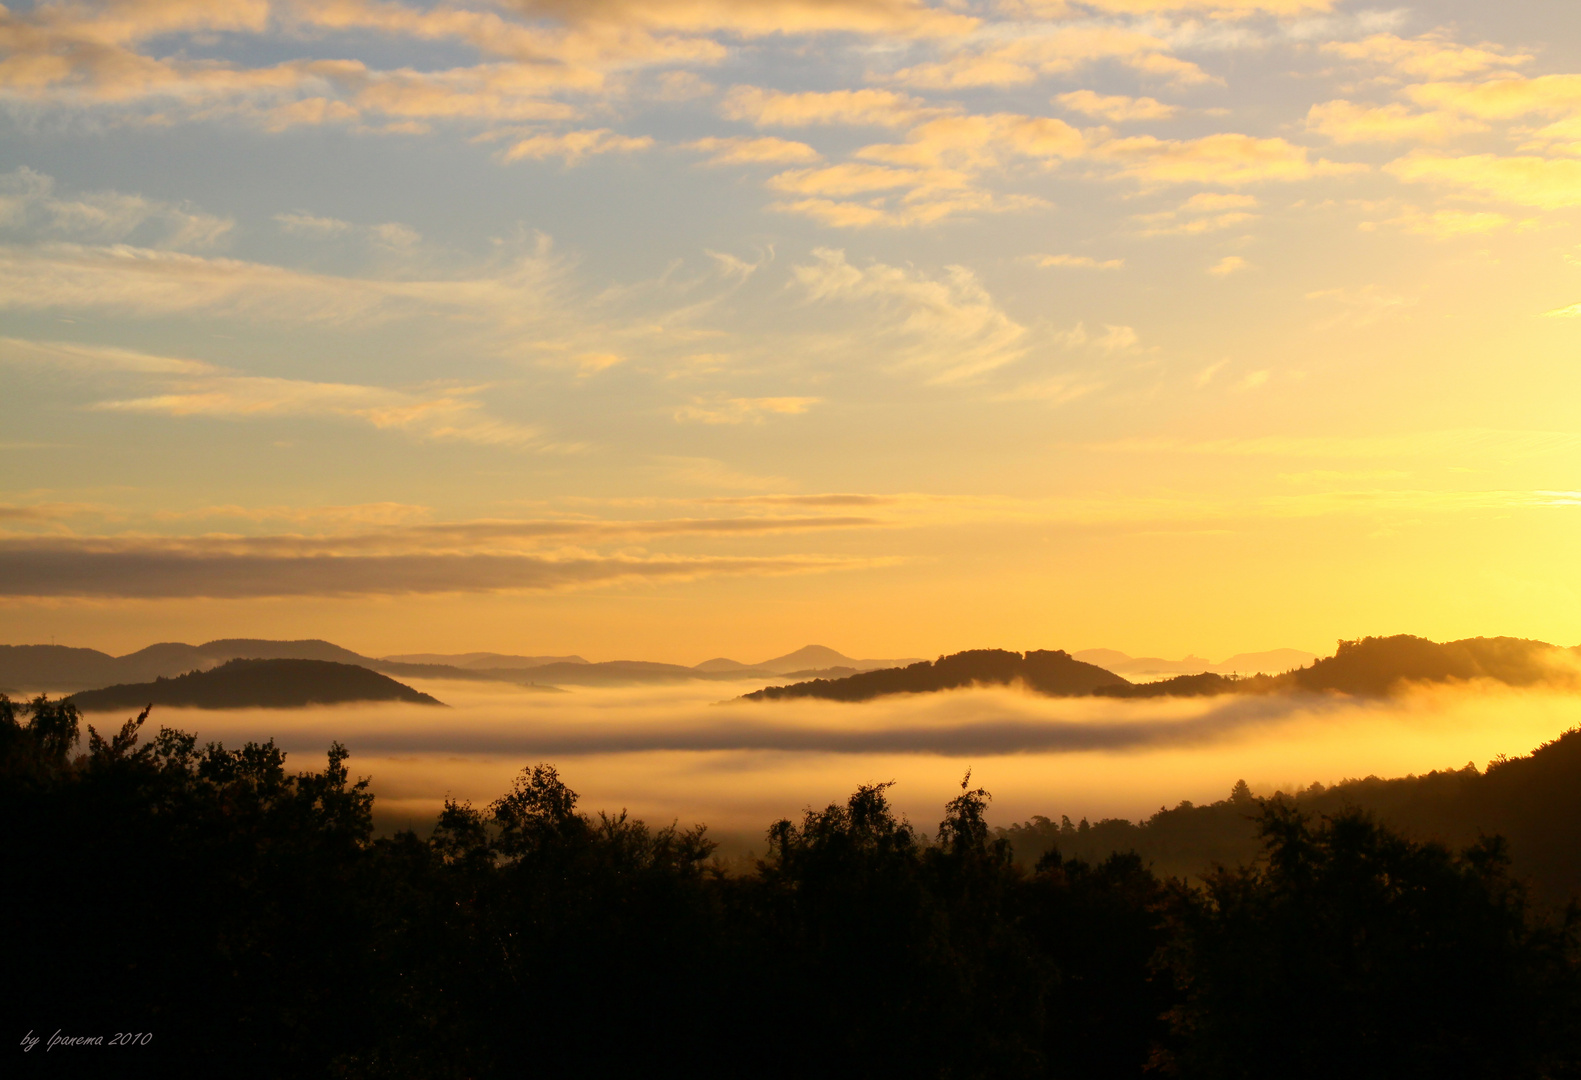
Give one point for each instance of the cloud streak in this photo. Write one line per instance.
(152, 570)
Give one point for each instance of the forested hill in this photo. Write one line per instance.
(1373, 666)
(1534, 802)
(1047, 672)
(257, 684)
(1377, 665)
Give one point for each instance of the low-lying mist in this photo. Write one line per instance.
(679, 752)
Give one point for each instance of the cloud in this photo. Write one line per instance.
(1345, 122)
(1116, 339)
(1204, 212)
(1083, 261)
(573, 146)
(1059, 390)
(1359, 307)
(445, 416)
(30, 206)
(1429, 57)
(843, 498)
(1480, 444)
(358, 514)
(747, 151)
(195, 388)
(866, 107)
(1228, 265)
(761, 18)
(1547, 183)
(1229, 8)
(1571, 312)
(848, 178)
(147, 282)
(157, 570)
(1443, 224)
(938, 166)
(974, 143)
(1504, 98)
(683, 86)
(1116, 108)
(300, 223)
(1226, 159)
(1034, 54)
(950, 326)
(719, 409)
(522, 303)
(73, 356)
(951, 723)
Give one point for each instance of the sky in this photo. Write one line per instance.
(672, 329)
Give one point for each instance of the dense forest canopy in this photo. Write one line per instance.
(247, 916)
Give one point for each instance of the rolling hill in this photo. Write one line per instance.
(1055, 673)
(256, 684)
(1371, 667)
(1534, 802)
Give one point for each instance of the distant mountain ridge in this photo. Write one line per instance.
(59, 667)
(808, 658)
(31, 668)
(257, 684)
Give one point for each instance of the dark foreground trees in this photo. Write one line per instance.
(245, 917)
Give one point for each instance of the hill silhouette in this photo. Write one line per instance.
(1379, 665)
(1047, 672)
(1368, 667)
(821, 657)
(59, 667)
(256, 684)
(62, 668)
(1534, 802)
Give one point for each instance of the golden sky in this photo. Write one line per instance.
(681, 328)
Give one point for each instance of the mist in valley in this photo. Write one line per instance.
(690, 753)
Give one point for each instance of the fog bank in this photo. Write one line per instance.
(679, 752)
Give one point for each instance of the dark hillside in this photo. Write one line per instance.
(256, 684)
(1370, 667)
(1048, 672)
(1203, 685)
(1534, 802)
(1377, 665)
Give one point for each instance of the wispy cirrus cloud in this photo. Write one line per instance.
(189, 388)
(950, 325)
(30, 205)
